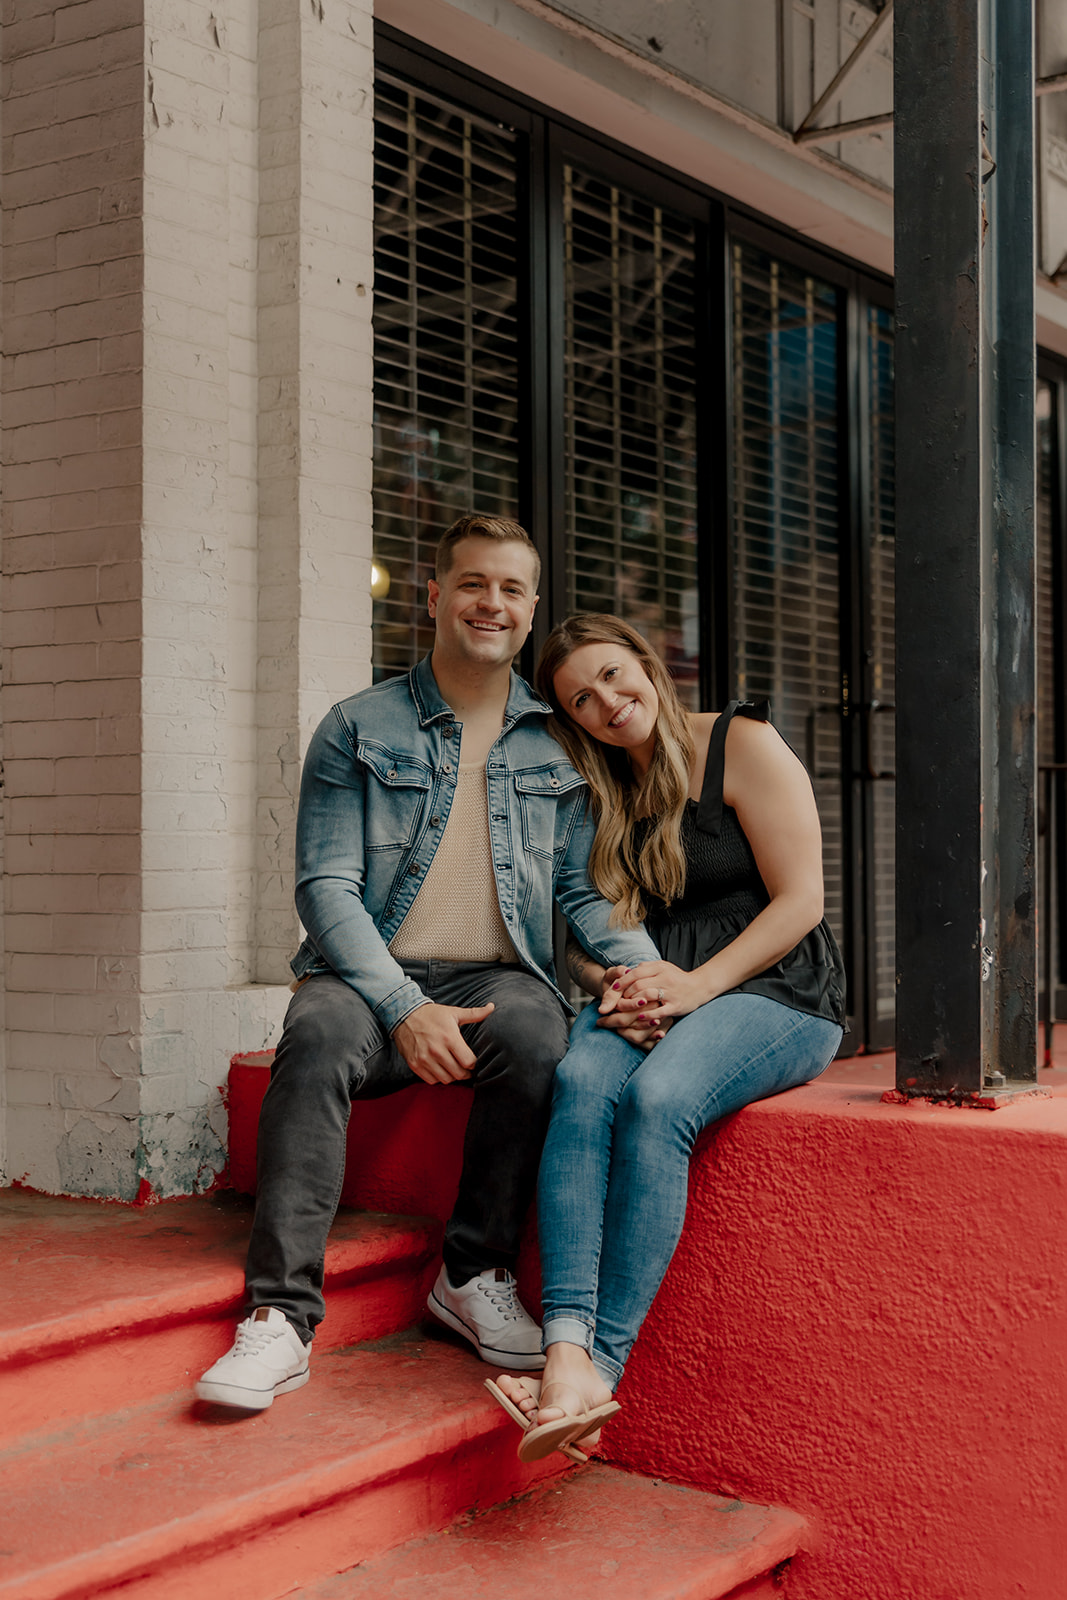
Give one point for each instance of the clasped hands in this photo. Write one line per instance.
(641, 1002)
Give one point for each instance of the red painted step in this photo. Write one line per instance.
(173, 1498)
(404, 1152)
(599, 1533)
(108, 1306)
(115, 1482)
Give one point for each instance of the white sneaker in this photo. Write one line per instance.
(487, 1311)
(268, 1358)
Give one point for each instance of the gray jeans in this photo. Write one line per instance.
(333, 1051)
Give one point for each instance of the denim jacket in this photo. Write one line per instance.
(378, 784)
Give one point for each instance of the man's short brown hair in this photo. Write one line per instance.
(476, 526)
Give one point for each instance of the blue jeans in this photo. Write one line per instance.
(615, 1170)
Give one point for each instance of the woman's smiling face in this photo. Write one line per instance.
(604, 689)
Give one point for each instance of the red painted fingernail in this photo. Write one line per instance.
(615, 985)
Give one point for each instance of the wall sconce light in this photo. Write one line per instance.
(379, 580)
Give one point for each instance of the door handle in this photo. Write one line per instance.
(870, 712)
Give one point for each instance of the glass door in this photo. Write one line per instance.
(447, 344)
(874, 759)
(812, 580)
(1051, 543)
(786, 562)
(630, 415)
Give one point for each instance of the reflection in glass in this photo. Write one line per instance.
(1046, 665)
(786, 520)
(881, 552)
(446, 372)
(629, 400)
(1045, 620)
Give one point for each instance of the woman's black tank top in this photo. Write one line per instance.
(724, 893)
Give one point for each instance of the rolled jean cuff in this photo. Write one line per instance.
(567, 1330)
(609, 1370)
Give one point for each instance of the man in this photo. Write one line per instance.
(438, 819)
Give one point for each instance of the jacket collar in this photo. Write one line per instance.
(432, 707)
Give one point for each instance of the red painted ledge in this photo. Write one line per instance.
(865, 1320)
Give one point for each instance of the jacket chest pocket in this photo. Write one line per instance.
(396, 792)
(539, 793)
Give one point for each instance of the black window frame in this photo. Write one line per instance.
(719, 218)
(549, 136)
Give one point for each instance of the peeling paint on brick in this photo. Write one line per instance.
(180, 1153)
(99, 1161)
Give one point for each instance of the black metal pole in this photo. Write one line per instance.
(963, 141)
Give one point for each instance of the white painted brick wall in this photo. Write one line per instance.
(241, 38)
(187, 472)
(316, 377)
(71, 630)
(198, 713)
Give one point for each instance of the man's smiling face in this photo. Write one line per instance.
(483, 607)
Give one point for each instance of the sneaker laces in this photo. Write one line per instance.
(254, 1337)
(503, 1295)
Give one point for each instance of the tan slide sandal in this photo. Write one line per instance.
(561, 1434)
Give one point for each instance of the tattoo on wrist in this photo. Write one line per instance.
(579, 965)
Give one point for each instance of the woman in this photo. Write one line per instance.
(707, 830)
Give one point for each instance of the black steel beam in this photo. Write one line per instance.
(963, 144)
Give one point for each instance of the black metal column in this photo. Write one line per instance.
(963, 140)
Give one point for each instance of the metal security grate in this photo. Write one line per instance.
(1046, 644)
(446, 345)
(1051, 787)
(786, 516)
(630, 416)
(881, 727)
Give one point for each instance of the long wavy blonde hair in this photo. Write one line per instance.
(624, 867)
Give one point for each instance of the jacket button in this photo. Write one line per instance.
(448, 731)
(414, 869)
(447, 767)
(554, 782)
(435, 822)
(391, 773)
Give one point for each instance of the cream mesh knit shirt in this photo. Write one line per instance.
(456, 914)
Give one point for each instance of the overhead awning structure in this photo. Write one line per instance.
(809, 131)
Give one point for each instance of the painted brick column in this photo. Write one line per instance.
(187, 420)
(315, 417)
(185, 537)
(72, 376)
